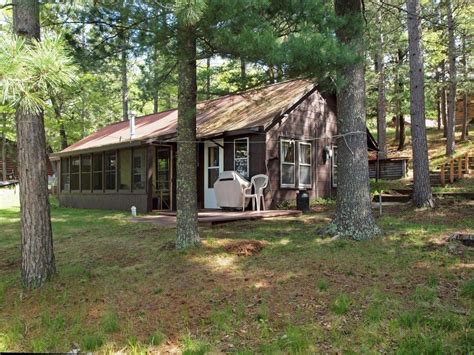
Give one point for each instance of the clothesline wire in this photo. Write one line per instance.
(325, 137)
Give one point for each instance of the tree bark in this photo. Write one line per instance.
(208, 78)
(353, 205)
(400, 118)
(438, 101)
(123, 65)
(156, 84)
(443, 99)
(465, 98)
(421, 176)
(4, 147)
(451, 119)
(38, 264)
(57, 114)
(243, 74)
(381, 119)
(187, 233)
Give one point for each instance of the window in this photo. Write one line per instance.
(86, 173)
(75, 171)
(296, 165)
(65, 178)
(125, 169)
(212, 166)
(334, 166)
(110, 159)
(287, 154)
(241, 156)
(139, 169)
(97, 172)
(304, 159)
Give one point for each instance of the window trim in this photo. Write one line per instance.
(247, 175)
(300, 143)
(291, 141)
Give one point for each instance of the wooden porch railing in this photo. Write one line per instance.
(455, 168)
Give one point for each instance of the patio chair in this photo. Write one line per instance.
(258, 183)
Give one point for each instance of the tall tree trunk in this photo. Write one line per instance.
(4, 147)
(421, 175)
(123, 63)
(451, 119)
(397, 99)
(243, 74)
(399, 112)
(353, 205)
(38, 263)
(57, 114)
(381, 119)
(187, 233)
(465, 97)
(443, 99)
(438, 101)
(123, 69)
(208, 78)
(156, 83)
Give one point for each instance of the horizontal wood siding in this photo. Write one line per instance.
(108, 201)
(388, 169)
(313, 118)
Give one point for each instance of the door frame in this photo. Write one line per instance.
(208, 191)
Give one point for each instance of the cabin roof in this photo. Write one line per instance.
(245, 110)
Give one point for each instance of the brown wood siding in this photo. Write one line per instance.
(313, 118)
(109, 201)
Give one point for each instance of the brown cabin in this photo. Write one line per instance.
(281, 130)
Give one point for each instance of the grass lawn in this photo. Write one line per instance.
(122, 286)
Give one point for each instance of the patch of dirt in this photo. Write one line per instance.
(245, 247)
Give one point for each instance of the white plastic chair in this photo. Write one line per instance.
(258, 183)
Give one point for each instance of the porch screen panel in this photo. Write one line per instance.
(139, 169)
(304, 159)
(125, 167)
(86, 173)
(110, 170)
(75, 168)
(287, 166)
(65, 178)
(97, 172)
(163, 156)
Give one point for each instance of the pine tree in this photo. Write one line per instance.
(421, 176)
(353, 205)
(38, 264)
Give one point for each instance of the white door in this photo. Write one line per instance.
(213, 166)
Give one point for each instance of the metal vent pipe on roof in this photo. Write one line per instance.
(132, 124)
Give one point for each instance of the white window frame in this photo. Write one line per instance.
(248, 155)
(282, 162)
(310, 165)
(333, 165)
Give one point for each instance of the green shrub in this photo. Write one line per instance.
(341, 304)
(92, 342)
(110, 322)
(467, 289)
(323, 285)
(156, 338)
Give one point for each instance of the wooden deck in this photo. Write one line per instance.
(213, 217)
